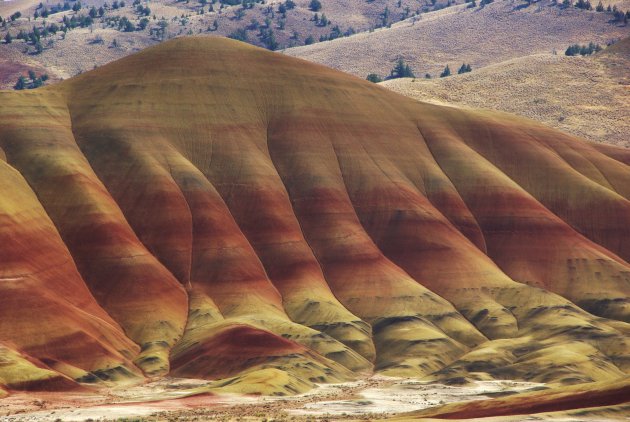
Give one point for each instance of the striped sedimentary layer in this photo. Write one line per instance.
(208, 209)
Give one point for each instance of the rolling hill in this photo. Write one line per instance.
(209, 209)
(428, 34)
(586, 96)
(93, 39)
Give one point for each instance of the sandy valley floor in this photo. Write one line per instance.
(375, 398)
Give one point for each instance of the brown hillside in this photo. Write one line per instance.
(500, 31)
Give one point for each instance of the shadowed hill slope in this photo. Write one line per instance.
(216, 210)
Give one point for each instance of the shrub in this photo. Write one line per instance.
(240, 35)
(315, 5)
(373, 77)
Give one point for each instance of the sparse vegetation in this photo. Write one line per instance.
(315, 5)
(33, 81)
(240, 35)
(373, 77)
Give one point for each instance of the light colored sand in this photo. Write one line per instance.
(376, 396)
(408, 395)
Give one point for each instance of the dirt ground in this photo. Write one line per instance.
(376, 397)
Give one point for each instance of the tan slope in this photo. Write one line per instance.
(579, 95)
(248, 214)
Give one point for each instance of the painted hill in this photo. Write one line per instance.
(209, 209)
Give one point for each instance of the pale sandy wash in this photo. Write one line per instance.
(374, 397)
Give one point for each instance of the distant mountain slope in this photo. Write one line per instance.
(120, 30)
(500, 31)
(430, 36)
(586, 96)
(209, 209)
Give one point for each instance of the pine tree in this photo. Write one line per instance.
(401, 70)
(20, 84)
(465, 68)
(446, 72)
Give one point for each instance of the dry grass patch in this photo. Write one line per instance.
(578, 95)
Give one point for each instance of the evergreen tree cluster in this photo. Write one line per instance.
(619, 16)
(582, 50)
(465, 68)
(33, 81)
(583, 4)
(401, 70)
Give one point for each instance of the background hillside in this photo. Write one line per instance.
(426, 33)
(480, 36)
(271, 24)
(587, 96)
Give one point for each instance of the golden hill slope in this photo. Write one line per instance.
(585, 96)
(211, 209)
